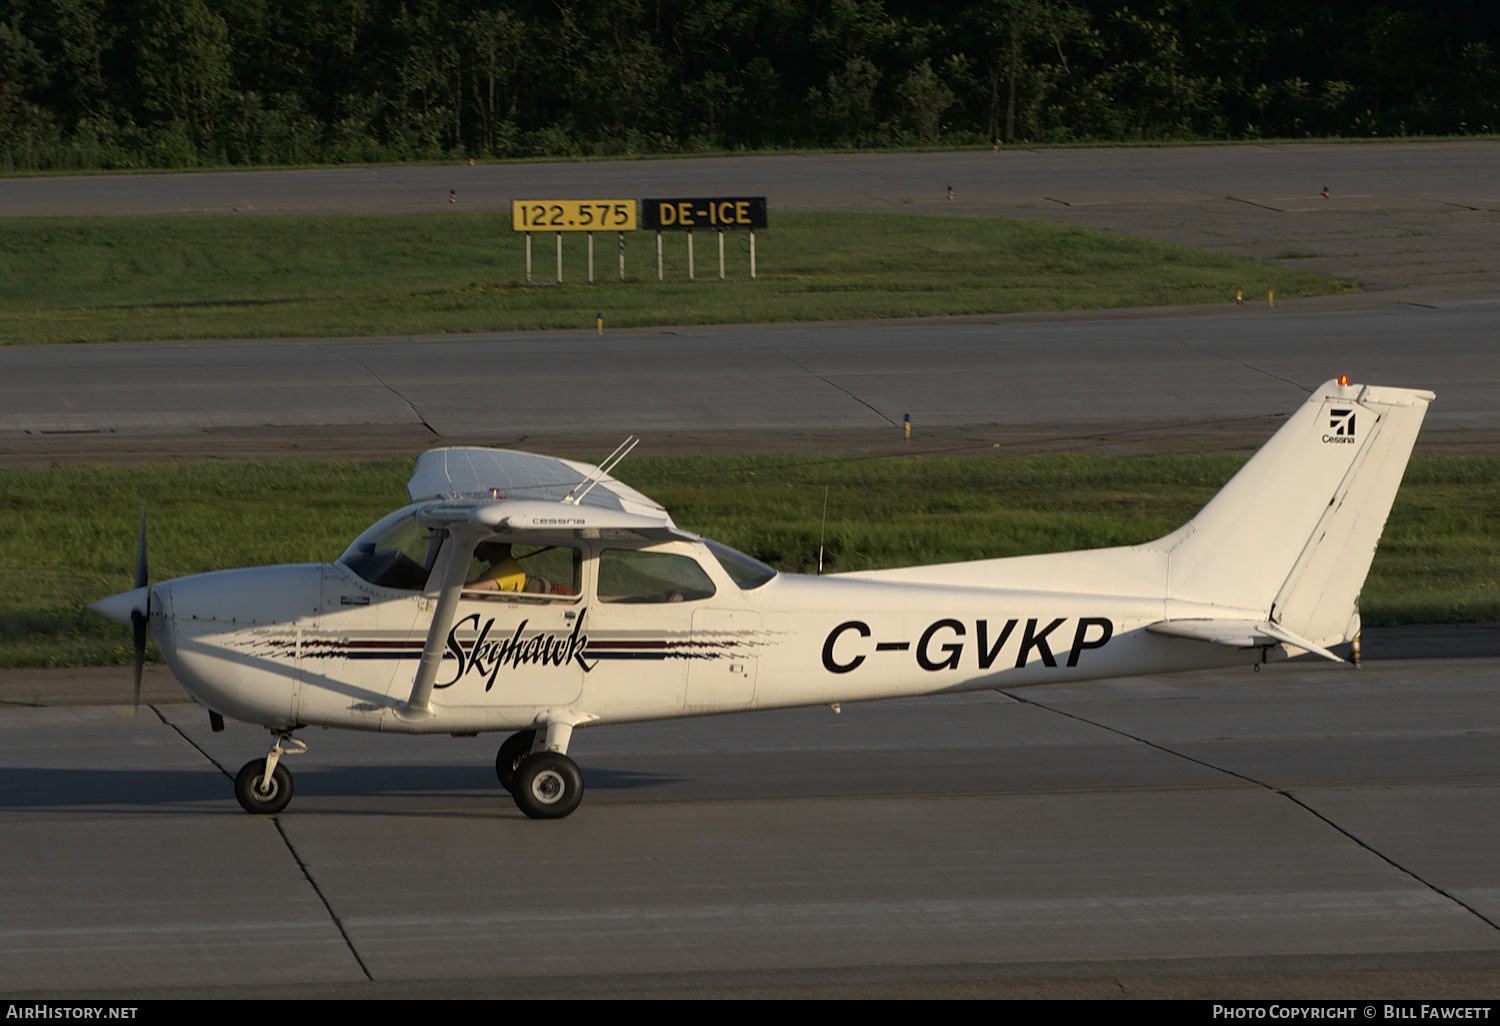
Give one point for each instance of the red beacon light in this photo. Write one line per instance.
(1343, 379)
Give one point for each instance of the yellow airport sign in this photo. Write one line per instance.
(571, 215)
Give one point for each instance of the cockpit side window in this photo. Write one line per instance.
(632, 575)
(396, 553)
(502, 569)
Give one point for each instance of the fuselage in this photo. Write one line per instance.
(602, 640)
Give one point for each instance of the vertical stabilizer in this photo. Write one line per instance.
(1291, 536)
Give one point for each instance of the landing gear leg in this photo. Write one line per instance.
(264, 786)
(548, 784)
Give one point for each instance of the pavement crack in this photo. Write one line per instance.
(201, 751)
(385, 385)
(1247, 366)
(307, 875)
(276, 822)
(392, 178)
(1273, 789)
(1252, 203)
(832, 384)
(167, 185)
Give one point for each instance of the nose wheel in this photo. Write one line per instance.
(261, 793)
(264, 786)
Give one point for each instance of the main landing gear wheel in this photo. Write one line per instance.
(547, 786)
(512, 753)
(259, 796)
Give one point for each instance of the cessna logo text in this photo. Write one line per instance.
(486, 657)
(1340, 427)
(941, 646)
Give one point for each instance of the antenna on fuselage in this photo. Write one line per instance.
(822, 530)
(610, 462)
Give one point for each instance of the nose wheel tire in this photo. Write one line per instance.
(256, 794)
(512, 753)
(547, 786)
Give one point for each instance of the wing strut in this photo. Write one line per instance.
(461, 541)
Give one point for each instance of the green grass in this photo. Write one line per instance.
(266, 276)
(67, 533)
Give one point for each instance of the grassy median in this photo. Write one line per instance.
(193, 276)
(67, 533)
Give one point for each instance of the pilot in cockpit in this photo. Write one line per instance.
(503, 572)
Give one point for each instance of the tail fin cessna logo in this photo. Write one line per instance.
(1341, 424)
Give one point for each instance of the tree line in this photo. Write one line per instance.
(182, 83)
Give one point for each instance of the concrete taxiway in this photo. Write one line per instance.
(1218, 380)
(1148, 836)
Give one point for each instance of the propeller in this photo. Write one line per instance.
(133, 607)
(138, 617)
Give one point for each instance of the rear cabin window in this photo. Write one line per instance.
(746, 572)
(630, 575)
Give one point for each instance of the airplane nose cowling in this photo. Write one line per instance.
(230, 637)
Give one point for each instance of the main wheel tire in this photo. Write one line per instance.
(512, 753)
(547, 786)
(247, 788)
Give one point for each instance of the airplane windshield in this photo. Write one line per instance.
(744, 571)
(397, 552)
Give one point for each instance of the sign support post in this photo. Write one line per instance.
(718, 214)
(571, 215)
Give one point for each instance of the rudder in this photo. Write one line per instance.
(1291, 536)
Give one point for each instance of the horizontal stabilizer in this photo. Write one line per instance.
(1238, 634)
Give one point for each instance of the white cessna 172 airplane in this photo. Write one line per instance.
(603, 611)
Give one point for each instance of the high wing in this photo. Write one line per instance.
(476, 492)
(492, 474)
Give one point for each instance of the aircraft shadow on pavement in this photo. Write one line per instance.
(156, 790)
(597, 779)
(149, 790)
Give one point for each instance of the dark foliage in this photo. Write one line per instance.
(174, 83)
